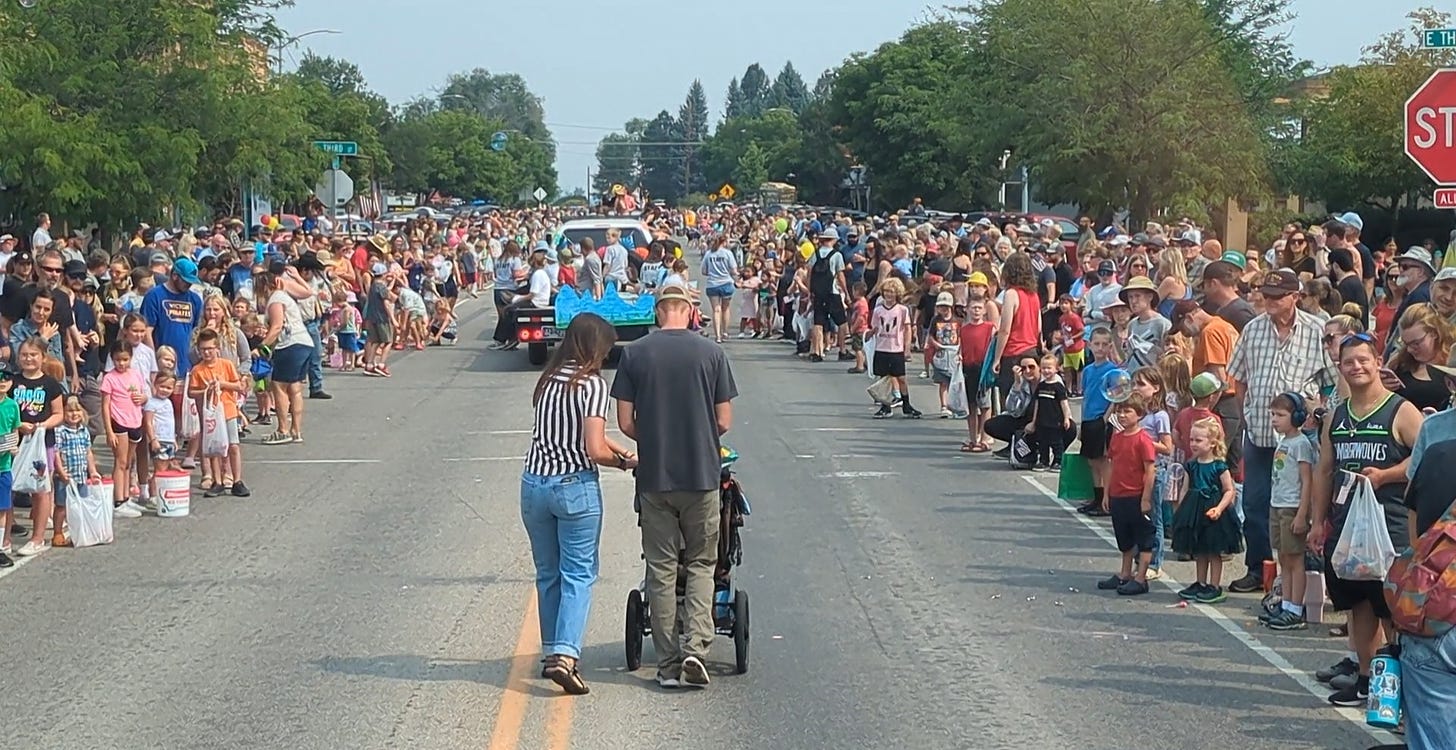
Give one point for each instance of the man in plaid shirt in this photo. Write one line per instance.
(1278, 352)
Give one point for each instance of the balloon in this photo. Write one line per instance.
(781, 224)
(1117, 386)
(806, 249)
(266, 220)
(275, 224)
(690, 218)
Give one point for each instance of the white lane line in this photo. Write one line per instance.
(473, 459)
(1274, 658)
(20, 562)
(859, 475)
(835, 455)
(286, 461)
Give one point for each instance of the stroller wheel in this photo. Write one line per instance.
(636, 620)
(740, 631)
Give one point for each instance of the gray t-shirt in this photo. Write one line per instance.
(591, 272)
(675, 379)
(1145, 339)
(376, 307)
(1285, 485)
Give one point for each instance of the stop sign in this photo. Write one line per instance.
(1430, 127)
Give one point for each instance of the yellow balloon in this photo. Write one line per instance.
(690, 218)
(806, 249)
(275, 224)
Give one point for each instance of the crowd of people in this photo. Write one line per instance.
(142, 347)
(1231, 402)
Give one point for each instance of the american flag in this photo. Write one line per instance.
(371, 205)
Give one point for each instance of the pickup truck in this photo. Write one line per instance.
(539, 328)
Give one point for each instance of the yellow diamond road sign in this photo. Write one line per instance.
(727, 192)
(713, 197)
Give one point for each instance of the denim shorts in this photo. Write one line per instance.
(6, 502)
(1428, 690)
(290, 363)
(349, 343)
(722, 290)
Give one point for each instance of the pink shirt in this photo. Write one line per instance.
(889, 325)
(120, 386)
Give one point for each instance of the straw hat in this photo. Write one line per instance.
(1139, 283)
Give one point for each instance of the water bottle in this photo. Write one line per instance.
(1382, 708)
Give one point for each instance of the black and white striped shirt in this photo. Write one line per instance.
(558, 436)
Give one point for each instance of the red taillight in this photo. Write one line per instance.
(530, 334)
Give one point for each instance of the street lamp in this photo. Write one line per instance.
(285, 44)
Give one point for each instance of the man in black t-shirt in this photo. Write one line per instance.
(1347, 282)
(674, 392)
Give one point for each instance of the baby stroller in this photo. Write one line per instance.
(730, 603)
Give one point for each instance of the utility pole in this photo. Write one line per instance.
(688, 160)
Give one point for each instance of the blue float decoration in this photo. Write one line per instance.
(612, 308)
(498, 141)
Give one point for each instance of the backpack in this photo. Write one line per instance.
(821, 282)
(1421, 585)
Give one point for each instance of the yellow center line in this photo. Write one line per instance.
(512, 713)
(558, 723)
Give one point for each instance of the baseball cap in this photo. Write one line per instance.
(1446, 274)
(1205, 384)
(945, 299)
(1235, 257)
(1182, 310)
(378, 269)
(186, 270)
(73, 267)
(7, 237)
(673, 292)
(161, 236)
(1351, 218)
(1107, 267)
(828, 234)
(1278, 283)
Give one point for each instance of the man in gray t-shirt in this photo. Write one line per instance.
(674, 390)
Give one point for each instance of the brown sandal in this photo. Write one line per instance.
(563, 672)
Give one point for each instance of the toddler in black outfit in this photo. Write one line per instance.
(1051, 417)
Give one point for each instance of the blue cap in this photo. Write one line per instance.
(186, 269)
(1106, 232)
(1352, 219)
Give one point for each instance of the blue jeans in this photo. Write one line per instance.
(1160, 487)
(1258, 470)
(1428, 690)
(316, 357)
(563, 518)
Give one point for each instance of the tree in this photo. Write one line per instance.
(898, 112)
(693, 122)
(449, 150)
(1194, 144)
(504, 97)
(1349, 156)
(661, 162)
(117, 112)
(338, 76)
(617, 158)
(775, 135)
(752, 168)
(824, 86)
(733, 101)
(788, 90)
(753, 91)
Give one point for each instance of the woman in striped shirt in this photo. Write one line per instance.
(561, 495)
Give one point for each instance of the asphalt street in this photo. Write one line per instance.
(376, 592)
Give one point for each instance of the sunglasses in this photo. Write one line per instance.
(1356, 338)
(1297, 240)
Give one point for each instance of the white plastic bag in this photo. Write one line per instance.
(869, 352)
(191, 423)
(32, 466)
(1364, 552)
(955, 397)
(88, 513)
(882, 391)
(214, 429)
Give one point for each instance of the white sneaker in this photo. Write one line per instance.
(670, 683)
(694, 673)
(188, 463)
(128, 509)
(32, 547)
(151, 504)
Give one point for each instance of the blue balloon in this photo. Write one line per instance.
(498, 141)
(1117, 386)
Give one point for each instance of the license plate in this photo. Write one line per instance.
(550, 333)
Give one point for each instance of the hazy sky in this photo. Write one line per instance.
(598, 64)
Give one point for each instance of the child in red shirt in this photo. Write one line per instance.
(1129, 497)
(1074, 345)
(975, 337)
(859, 324)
